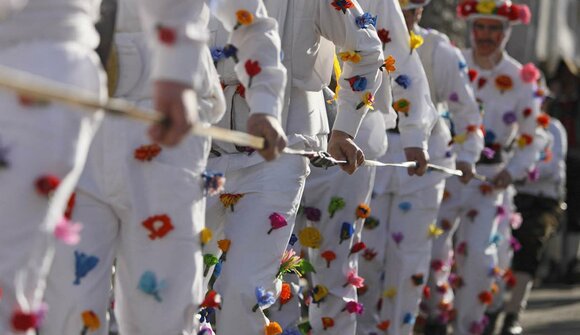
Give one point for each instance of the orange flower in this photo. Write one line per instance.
(485, 297)
(90, 321)
(273, 328)
(285, 294)
(504, 83)
(147, 152)
(389, 64)
(350, 56)
(244, 18)
(230, 199)
(402, 106)
(363, 211)
(384, 326)
(327, 322)
(525, 140)
(543, 120)
(224, 245)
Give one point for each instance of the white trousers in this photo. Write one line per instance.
(254, 255)
(37, 141)
(474, 214)
(146, 214)
(397, 261)
(322, 186)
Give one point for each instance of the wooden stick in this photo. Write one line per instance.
(33, 86)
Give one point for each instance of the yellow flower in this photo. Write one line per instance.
(435, 231)
(91, 320)
(403, 3)
(460, 138)
(390, 293)
(350, 56)
(485, 6)
(415, 41)
(205, 235)
(320, 292)
(310, 237)
(368, 100)
(389, 64)
(244, 17)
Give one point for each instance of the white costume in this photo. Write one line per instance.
(406, 207)
(265, 189)
(507, 95)
(141, 204)
(43, 145)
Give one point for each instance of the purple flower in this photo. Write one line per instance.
(366, 20)
(509, 118)
(515, 244)
(488, 153)
(454, 97)
(534, 174)
(397, 237)
(501, 211)
(312, 214)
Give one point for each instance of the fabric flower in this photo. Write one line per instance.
(446, 224)
(405, 206)
(329, 256)
(369, 254)
(264, 298)
(415, 41)
(530, 73)
(509, 118)
(244, 18)
(455, 281)
(327, 322)
(454, 97)
(273, 328)
(353, 307)
(217, 270)
(366, 20)
(397, 237)
(434, 231)
(402, 106)
(46, 184)
(83, 265)
(205, 236)
(389, 64)
(212, 300)
(404, 81)
(390, 293)
(384, 36)
(91, 322)
(485, 297)
(357, 247)
(146, 153)
(472, 214)
(371, 223)
(209, 260)
(312, 214)
(368, 100)
(384, 325)
(543, 120)
(231, 51)
(472, 74)
(504, 83)
(25, 321)
(70, 205)
(158, 226)
(437, 265)
(357, 83)
(217, 54)
(285, 294)
(68, 232)
(342, 5)
(277, 221)
(350, 56)
(485, 6)
(336, 204)
(213, 182)
(310, 237)
(525, 140)
(486, 188)
(319, 292)
(346, 231)
(363, 211)
(252, 69)
(362, 290)
(481, 82)
(354, 280)
(418, 279)
(149, 285)
(408, 319)
(515, 244)
(293, 240)
(230, 199)
(166, 35)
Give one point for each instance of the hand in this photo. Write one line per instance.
(268, 127)
(177, 104)
(421, 157)
(502, 179)
(342, 147)
(468, 171)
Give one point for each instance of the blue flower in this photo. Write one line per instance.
(291, 331)
(346, 231)
(358, 83)
(462, 65)
(366, 20)
(231, 51)
(149, 285)
(405, 206)
(293, 240)
(83, 265)
(409, 319)
(217, 54)
(489, 137)
(404, 81)
(205, 313)
(264, 298)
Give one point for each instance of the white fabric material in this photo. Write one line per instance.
(254, 255)
(10, 6)
(321, 186)
(392, 268)
(41, 140)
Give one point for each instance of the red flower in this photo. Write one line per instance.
(426, 292)
(481, 82)
(146, 153)
(527, 112)
(472, 74)
(342, 5)
(327, 322)
(466, 8)
(384, 36)
(70, 206)
(241, 90)
(543, 120)
(472, 128)
(212, 300)
(369, 254)
(166, 35)
(252, 69)
(158, 226)
(384, 326)
(485, 189)
(357, 247)
(22, 321)
(485, 297)
(329, 256)
(46, 184)
(285, 294)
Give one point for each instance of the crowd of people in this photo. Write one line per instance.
(110, 225)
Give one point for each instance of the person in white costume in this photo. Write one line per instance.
(258, 209)
(506, 91)
(405, 208)
(141, 203)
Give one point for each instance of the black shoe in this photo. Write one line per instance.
(492, 320)
(511, 326)
(433, 328)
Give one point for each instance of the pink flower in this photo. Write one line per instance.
(516, 221)
(68, 232)
(515, 244)
(354, 307)
(277, 221)
(524, 13)
(530, 73)
(354, 280)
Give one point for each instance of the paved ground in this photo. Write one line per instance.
(553, 310)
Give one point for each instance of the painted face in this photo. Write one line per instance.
(488, 35)
(412, 16)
